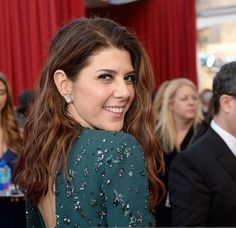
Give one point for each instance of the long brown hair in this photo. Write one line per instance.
(50, 131)
(11, 134)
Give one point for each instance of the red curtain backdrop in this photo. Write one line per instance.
(166, 28)
(27, 27)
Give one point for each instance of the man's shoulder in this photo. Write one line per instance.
(206, 142)
(202, 149)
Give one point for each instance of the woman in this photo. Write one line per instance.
(179, 119)
(12, 211)
(81, 166)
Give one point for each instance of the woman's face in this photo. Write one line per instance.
(3, 95)
(104, 90)
(185, 103)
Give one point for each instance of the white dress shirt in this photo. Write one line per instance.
(229, 139)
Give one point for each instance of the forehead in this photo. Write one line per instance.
(185, 89)
(110, 57)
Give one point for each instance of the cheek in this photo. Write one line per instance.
(3, 100)
(234, 115)
(132, 94)
(177, 106)
(196, 103)
(93, 96)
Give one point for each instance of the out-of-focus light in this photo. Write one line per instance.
(210, 60)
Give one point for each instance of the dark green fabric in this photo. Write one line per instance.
(107, 183)
(33, 216)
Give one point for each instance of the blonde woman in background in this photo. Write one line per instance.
(179, 118)
(12, 211)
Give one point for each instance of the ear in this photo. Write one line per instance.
(225, 103)
(63, 83)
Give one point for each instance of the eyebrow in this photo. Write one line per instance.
(113, 71)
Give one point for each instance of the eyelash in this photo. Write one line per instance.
(130, 78)
(106, 77)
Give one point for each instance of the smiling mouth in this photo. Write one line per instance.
(114, 110)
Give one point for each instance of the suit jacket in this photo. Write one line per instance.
(202, 184)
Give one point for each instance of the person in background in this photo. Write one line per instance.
(205, 98)
(180, 115)
(12, 211)
(202, 179)
(90, 154)
(25, 99)
(158, 99)
(204, 125)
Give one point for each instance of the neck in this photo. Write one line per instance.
(182, 128)
(222, 121)
(183, 124)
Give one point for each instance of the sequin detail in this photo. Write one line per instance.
(106, 183)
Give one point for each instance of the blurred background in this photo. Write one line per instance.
(184, 38)
(216, 37)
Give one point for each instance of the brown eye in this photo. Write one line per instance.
(2, 92)
(130, 78)
(105, 77)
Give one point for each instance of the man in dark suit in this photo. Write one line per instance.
(202, 179)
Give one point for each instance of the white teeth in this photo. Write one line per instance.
(115, 110)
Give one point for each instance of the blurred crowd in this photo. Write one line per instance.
(12, 204)
(197, 132)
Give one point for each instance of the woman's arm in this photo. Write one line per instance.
(126, 185)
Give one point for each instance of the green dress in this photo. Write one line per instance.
(107, 184)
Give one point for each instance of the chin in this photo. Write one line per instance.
(113, 127)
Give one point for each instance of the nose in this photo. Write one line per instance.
(121, 90)
(191, 101)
